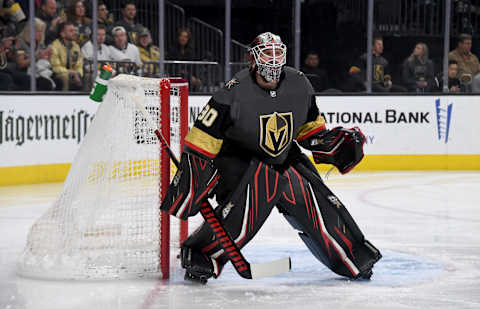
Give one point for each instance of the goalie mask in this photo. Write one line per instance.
(268, 54)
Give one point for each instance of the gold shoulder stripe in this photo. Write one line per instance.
(310, 128)
(203, 142)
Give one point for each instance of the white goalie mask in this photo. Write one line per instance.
(268, 54)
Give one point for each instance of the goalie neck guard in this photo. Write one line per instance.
(268, 54)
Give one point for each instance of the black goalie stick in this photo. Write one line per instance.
(241, 265)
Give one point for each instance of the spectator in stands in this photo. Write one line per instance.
(6, 82)
(454, 84)
(105, 19)
(43, 54)
(355, 81)
(48, 14)
(148, 52)
(67, 59)
(124, 51)
(317, 76)
(183, 49)
(76, 15)
(12, 17)
(129, 12)
(103, 52)
(468, 65)
(10, 79)
(418, 70)
(381, 80)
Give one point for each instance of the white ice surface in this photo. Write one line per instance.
(426, 224)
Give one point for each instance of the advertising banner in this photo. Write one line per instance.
(400, 124)
(40, 135)
(42, 129)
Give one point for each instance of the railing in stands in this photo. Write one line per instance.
(238, 52)
(175, 19)
(426, 17)
(207, 40)
(147, 15)
(415, 17)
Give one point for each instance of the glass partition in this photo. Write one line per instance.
(417, 45)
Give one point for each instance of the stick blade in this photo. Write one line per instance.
(271, 268)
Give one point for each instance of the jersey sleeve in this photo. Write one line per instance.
(314, 123)
(207, 134)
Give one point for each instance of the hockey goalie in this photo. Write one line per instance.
(243, 150)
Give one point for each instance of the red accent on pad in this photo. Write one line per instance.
(210, 246)
(291, 201)
(200, 150)
(209, 187)
(269, 198)
(256, 187)
(170, 211)
(312, 132)
(325, 238)
(345, 240)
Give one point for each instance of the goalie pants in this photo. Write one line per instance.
(309, 206)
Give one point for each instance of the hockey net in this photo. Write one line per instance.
(106, 222)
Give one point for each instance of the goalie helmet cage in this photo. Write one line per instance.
(106, 222)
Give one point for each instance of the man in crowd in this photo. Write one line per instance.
(129, 12)
(48, 14)
(12, 18)
(317, 76)
(381, 80)
(10, 78)
(124, 51)
(454, 84)
(67, 59)
(103, 52)
(105, 20)
(148, 52)
(468, 65)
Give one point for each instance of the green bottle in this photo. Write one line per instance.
(101, 83)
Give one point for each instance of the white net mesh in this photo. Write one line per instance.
(106, 221)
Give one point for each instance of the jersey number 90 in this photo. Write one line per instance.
(207, 116)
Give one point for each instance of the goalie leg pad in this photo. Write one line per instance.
(243, 215)
(194, 181)
(325, 225)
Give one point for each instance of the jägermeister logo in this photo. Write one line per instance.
(275, 132)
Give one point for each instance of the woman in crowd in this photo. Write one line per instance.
(183, 51)
(42, 56)
(418, 70)
(76, 14)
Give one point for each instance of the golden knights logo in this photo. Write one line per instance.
(275, 132)
(378, 72)
(231, 83)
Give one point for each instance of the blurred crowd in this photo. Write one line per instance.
(418, 73)
(64, 49)
(64, 54)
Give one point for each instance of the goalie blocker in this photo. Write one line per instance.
(339, 146)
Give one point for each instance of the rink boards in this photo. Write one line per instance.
(39, 135)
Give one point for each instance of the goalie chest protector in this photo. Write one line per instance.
(264, 122)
